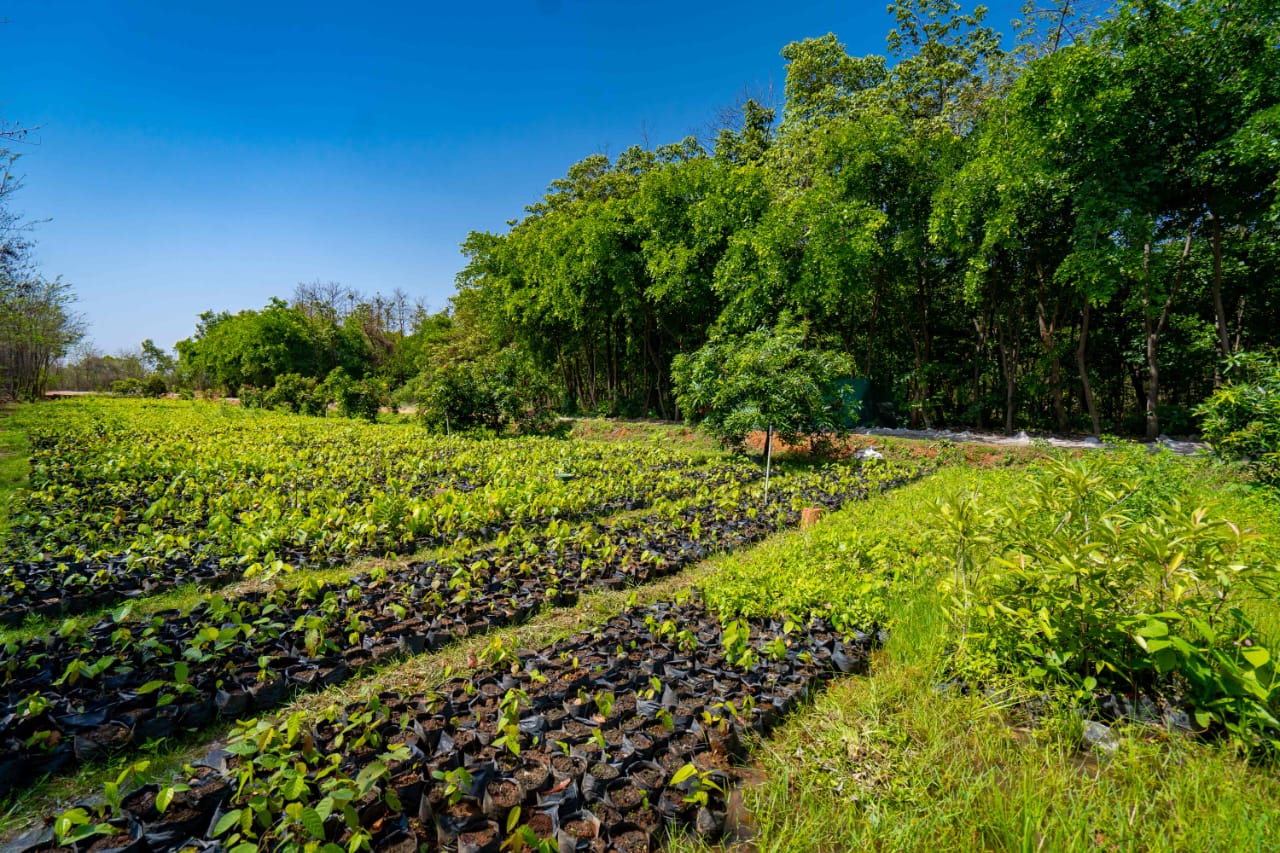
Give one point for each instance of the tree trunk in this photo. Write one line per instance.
(1008, 366)
(1154, 327)
(923, 350)
(875, 314)
(980, 325)
(1219, 310)
(1086, 387)
(1048, 325)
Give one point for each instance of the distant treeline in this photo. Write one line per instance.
(1071, 233)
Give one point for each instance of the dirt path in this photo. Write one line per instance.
(983, 447)
(1023, 439)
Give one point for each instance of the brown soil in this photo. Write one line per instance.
(479, 838)
(626, 797)
(580, 828)
(505, 794)
(540, 825)
(633, 841)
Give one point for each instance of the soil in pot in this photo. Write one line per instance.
(597, 778)
(485, 839)
(626, 795)
(629, 838)
(534, 777)
(541, 825)
(580, 825)
(501, 796)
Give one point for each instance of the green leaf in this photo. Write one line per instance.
(370, 775)
(163, 798)
(1153, 628)
(295, 787)
(312, 822)
(228, 820)
(686, 772)
(150, 687)
(1257, 656)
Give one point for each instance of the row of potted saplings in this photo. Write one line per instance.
(56, 588)
(607, 740)
(172, 671)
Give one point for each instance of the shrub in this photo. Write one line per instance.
(154, 386)
(499, 393)
(297, 393)
(1242, 418)
(457, 398)
(1071, 584)
(127, 387)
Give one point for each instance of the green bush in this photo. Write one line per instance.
(496, 394)
(127, 387)
(356, 398)
(1242, 418)
(458, 399)
(154, 386)
(296, 393)
(1073, 583)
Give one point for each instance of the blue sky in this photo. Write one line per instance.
(194, 156)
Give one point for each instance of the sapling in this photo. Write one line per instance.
(76, 825)
(701, 784)
(457, 782)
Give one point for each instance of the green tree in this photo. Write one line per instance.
(765, 378)
(37, 328)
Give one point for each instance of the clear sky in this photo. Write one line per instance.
(194, 156)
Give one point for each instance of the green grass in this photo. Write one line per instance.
(891, 762)
(13, 461)
(852, 563)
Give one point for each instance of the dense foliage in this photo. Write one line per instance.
(1101, 576)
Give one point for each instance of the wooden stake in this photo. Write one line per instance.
(768, 460)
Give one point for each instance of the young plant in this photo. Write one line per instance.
(699, 787)
(457, 783)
